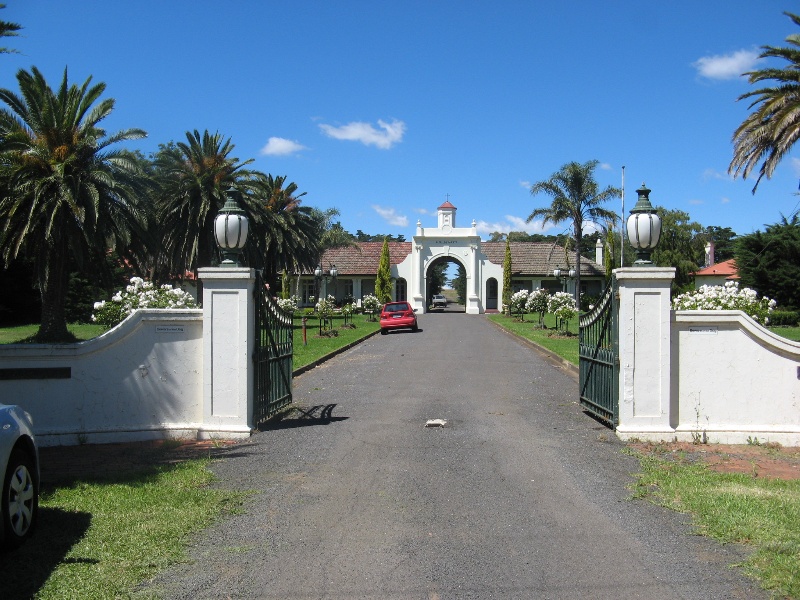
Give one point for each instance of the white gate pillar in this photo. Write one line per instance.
(645, 398)
(228, 345)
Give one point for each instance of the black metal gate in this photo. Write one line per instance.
(599, 358)
(273, 355)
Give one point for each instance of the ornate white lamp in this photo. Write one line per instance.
(230, 229)
(644, 228)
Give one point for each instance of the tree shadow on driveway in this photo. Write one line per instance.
(299, 416)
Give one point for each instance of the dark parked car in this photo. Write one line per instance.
(398, 315)
(19, 465)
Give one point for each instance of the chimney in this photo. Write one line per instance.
(598, 252)
(709, 254)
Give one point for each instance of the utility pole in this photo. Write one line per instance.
(622, 224)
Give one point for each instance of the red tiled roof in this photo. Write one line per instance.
(364, 258)
(527, 258)
(726, 268)
(538, 258)
(447, 205)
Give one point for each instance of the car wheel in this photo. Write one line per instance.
(383, 331)
(20, 501)
(415, 327)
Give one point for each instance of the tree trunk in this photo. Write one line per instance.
(53, 281)
(578, 238)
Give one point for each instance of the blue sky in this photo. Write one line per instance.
(383, 108)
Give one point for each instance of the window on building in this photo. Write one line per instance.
(307, 291)
(400, 289)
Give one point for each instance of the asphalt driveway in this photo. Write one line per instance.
(520, 495)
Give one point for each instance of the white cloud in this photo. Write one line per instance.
(725, 200)
(390, 216)
(281, 147)
(512, 223)
(604, 166)
(525, 184)
(425, 211)
(795, 164)
(714, 174)
(726, 66)
(696, 202)
(387, 136)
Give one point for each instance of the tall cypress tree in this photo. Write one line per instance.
(507, 278)
(383, 280)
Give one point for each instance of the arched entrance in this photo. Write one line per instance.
(437, 282)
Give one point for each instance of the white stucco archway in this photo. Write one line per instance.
(460, 244)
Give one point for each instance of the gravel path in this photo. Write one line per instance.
(521, 495)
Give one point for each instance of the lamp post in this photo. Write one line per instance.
(644, 228)
(564, 276)
(230, 229)
(321, 274)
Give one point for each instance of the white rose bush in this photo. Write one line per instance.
(139, 294)
(518, 301)
(537, 304)
(562, 306)
(727, 297)
(289, 304)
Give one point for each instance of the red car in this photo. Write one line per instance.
(398, 315)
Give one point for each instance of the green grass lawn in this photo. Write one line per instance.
(762, 513)
(15, 335)
(316, 347)
(99, 538)
(564, 345)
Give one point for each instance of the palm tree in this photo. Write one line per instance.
(65, 193)
(286, 236)
(8, 29)
(194, 178)
(770, 131)
(575, 198)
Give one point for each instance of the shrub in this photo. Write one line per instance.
(727, 297)
(784, 318)
(139, 294)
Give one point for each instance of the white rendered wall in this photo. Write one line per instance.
(701, 376)
(735, 380)
(141, 380)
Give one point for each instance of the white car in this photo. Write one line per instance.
(439, 300)
(19, 465)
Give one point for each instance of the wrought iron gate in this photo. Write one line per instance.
(273, 355)
(599, 358)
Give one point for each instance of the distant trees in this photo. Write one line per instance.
(771, 130)
(724, 240)
(576, 198)
(769, 262)
(681, 246)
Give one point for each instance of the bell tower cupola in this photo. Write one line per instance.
(447, 215)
